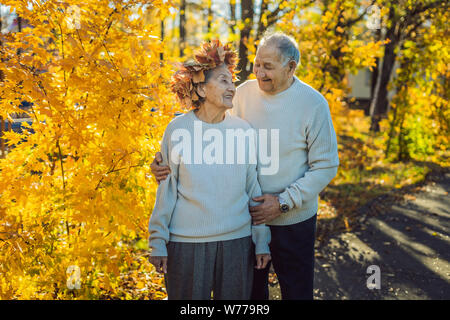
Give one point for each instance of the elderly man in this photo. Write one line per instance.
(308, 161)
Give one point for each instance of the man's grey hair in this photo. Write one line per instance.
(286, 44)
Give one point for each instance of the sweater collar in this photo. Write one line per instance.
(218, 124)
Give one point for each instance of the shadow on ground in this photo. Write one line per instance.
(408, 240)
(406, 236)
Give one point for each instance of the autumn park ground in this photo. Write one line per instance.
(405, 233)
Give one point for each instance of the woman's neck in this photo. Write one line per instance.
(210, 114)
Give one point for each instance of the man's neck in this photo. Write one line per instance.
(286, 86)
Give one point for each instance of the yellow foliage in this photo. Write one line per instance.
(77, 191)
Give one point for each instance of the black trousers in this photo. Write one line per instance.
(292, 250)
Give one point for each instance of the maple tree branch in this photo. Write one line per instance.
(61, 162)
(359, 18)
(110, 170)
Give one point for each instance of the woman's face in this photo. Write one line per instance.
(219, 89)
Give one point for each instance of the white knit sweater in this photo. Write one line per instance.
(308, 153)
(202, 201)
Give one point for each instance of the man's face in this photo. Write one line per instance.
(268, 68)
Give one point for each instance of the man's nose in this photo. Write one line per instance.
(260, 73)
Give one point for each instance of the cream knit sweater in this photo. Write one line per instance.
(307, 148)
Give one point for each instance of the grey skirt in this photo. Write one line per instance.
(222, 270)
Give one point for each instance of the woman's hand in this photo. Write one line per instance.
(262, 260)
(160, 263)
(159, 172)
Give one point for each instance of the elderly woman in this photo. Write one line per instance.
(200, 229)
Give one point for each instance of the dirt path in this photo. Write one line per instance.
(408, 239)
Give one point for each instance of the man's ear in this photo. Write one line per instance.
(201, 90)
(292, 66)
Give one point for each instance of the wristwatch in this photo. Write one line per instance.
(284, 207)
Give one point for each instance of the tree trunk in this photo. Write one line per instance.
(161, 55)
(182, 27)
(2, 143)
(379, 103)
(247, 12)
(232, 23)
(336, 71)
(210, 16)
(391, 134)
(376, 69)
(403, 153)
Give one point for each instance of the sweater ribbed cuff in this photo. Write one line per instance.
(261, 238)
(159, 248)
(284, 196)
(262, 248)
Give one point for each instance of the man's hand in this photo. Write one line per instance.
(262, 260)
(159, 172)
(160, 263)
(267, 211)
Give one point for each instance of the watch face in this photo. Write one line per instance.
(284, 207)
